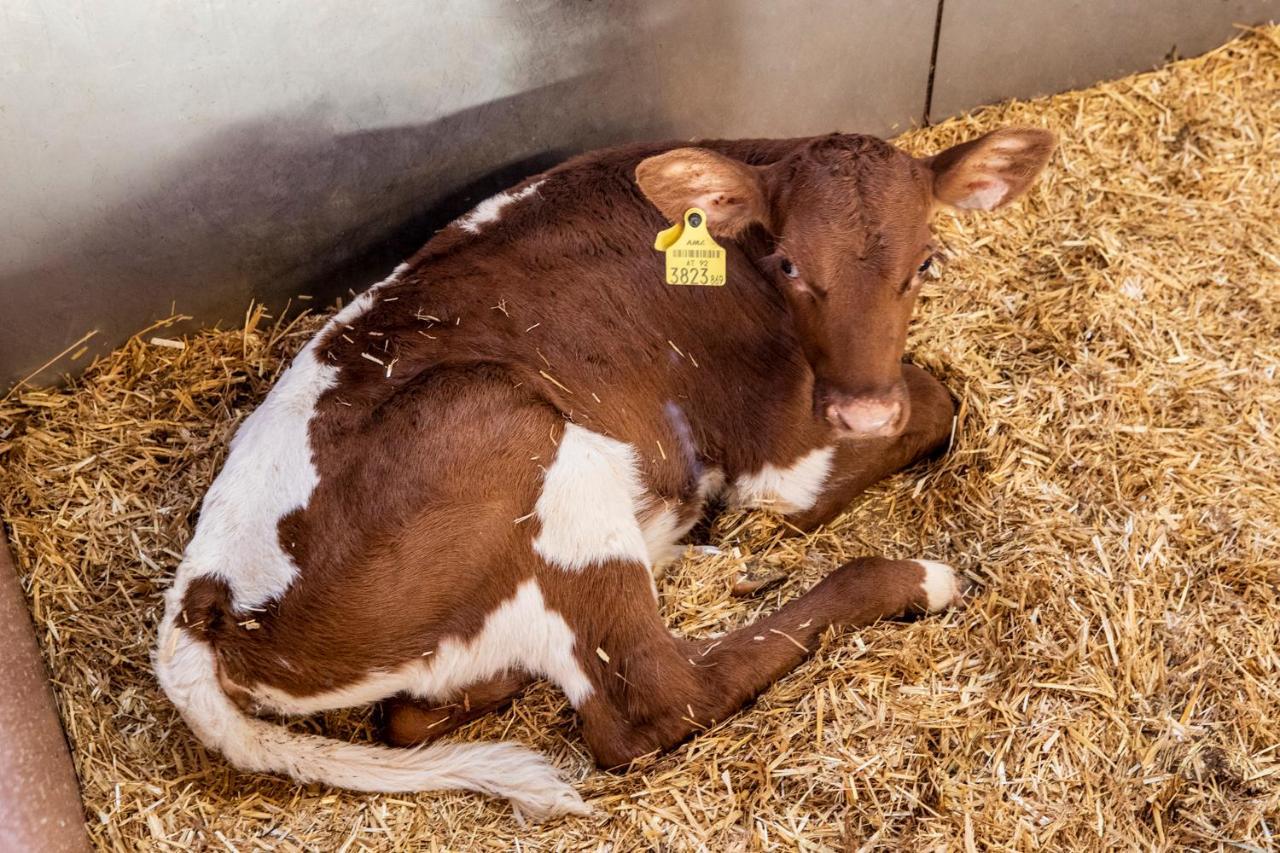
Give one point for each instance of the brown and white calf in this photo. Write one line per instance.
(466, 479)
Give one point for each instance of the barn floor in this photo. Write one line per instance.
(1114, 490)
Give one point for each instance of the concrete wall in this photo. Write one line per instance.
(159, 156)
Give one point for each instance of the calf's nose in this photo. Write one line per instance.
(869, 417)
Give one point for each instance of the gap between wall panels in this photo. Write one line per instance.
(933, 66)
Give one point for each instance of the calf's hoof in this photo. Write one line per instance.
(942, 585)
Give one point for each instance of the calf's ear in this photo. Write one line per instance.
(730, 192)
(992, 170)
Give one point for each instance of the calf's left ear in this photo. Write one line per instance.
(730, 192)
(992, 170)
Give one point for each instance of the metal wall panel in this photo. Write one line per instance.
(991, 50)
(159, 156)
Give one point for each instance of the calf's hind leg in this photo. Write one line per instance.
(651, 690)
(407, 721)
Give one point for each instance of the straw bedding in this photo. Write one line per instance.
(1113, 490)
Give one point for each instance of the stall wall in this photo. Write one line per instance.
(161, 157)
(990, 50)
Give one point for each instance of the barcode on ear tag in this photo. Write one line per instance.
(692, 255)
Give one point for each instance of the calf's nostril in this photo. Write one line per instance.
(836, 418)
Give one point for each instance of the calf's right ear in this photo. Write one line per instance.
(730, 192)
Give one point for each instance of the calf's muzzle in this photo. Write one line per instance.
(881, 414)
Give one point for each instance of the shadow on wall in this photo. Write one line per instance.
(277, 207)
(282, 205)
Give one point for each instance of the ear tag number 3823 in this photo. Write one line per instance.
(693, 257)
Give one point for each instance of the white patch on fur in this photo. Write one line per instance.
(520, 634)
(268, 474)
(986, 197)
(364, 301)
(663, 528)
(711, 483)
(594, 507)
(941, 586)
(792, 489)
(187, 670)
(490, 210)
(589, 505)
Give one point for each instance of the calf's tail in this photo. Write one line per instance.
(187, 669)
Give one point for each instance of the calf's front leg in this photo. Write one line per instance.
(860, 463)
(651, 690)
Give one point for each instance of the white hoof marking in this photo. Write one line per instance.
(942, 586)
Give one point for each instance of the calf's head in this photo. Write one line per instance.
(848, 220)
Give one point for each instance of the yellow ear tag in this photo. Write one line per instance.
(667, 237)
(693, 257)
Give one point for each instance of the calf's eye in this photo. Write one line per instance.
(924, 267)
(788, 268)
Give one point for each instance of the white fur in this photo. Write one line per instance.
(520, 634)
(268, 474)
(594, 507)
(187, 671)
(490, 210)
(711, 483)
(941, 584)
(792, 489)
(364, 301)
(589, 505)
(663, 528)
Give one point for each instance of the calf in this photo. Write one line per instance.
(466, 479)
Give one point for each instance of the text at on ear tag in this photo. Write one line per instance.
(692, 256)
